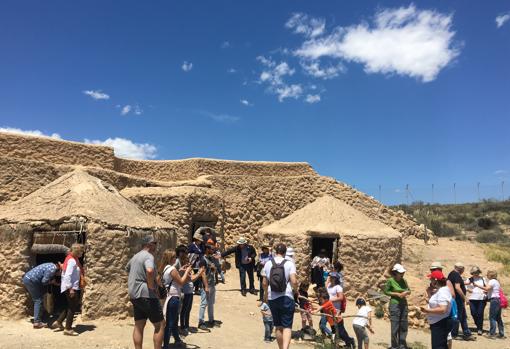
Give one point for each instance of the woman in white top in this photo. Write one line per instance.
(173, 281)
(72, 272)
(477, 297)
(438, 311)
(337, 297)
(493, 288)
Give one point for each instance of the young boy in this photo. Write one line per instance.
(361, 322)
(335, 319)
(304, 304)
(267, 318)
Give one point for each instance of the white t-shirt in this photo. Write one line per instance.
(71, 277)
(363, 311)
(333, 292)
(175, 288)
(477, 294)
(494, 292)
(290, 268)
(441, 297)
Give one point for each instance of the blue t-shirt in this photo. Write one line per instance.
(43, 273)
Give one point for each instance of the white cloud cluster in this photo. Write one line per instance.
(308, 26)
(274, 76)
(502, 19)
(125, 109)
(313, 68)
(231, 71)
(186, 66)
(128, 149)
(246, 103)
(225, 44)
(96, 94)
(312, 99)
(404, 41)
(35, 133)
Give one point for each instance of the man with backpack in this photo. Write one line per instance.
(280, 284)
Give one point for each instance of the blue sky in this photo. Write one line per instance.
(372, 93)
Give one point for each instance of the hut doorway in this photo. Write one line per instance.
(210, 223)
(328, 244)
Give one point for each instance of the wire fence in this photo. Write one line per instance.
(443, 194)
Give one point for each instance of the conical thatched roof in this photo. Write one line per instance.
(79, 194)
(328, 215)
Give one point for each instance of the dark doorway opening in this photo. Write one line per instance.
(199, 224)
(59, 299)
(326, 244)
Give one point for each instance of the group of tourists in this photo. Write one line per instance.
(72, 282)
(162, 292)
(447, 299)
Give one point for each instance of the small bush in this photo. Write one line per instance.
(491, 236)
(486, 223)
(499, 253)
(441, 229)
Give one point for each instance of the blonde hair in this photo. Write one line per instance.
(166, 259)
(77, 248)
(492, 274)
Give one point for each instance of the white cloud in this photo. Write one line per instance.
(126, 148)
(96, 94)
(125, 109)
(187, 66)
(274, 76)
(36, 133)
(312, 99)
(308, 26)
(404, 41)
(225, 44)
(138, 110)
(231, 71)
(246, 103)
(501, 172)
(225, 118)
(314, 69)
(502, 19)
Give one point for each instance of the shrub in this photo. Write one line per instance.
(441, 229)
(486, 223)
(488, 236)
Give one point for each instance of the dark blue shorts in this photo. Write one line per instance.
(282, 309)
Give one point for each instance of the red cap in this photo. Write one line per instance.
(436, 275)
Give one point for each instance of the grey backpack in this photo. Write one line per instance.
(277, 279)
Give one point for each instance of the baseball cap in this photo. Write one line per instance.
(290, 252)
(360, 301)
(398, 268)
(459, 265)
(436, 275)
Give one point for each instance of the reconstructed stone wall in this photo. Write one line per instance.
(15, 242)
(108, 252)
(253, 202)
(180, 206)
(55, 151)
(172, 170)
(19, 177)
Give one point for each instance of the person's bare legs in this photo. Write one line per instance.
(138, 333)
(287, 334)
(278, 331)
(159, 331)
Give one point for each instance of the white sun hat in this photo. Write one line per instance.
(398, 268)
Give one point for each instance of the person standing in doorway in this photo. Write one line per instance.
(35, 280)
(318, 264)
(397, 288)
(142, 290)
(280, 284)
(264, 257)
(461, 299)
(245, 261)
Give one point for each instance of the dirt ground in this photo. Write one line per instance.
(242, 325)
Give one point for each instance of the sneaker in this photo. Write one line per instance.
(184, 332)
(70, 333)
(57, 326)
(480, 333)
(192, 330)
(252, 291)
(202, 326)
(501, 336)
(243, 292)
(179, 344)
(267, 340)
(209, 324)
(217, 323)
(39, 325)
(491, 336)
(469, 338)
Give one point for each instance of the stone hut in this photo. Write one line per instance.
(76, 207)
(366, 247)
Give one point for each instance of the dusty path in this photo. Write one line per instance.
(242, 326)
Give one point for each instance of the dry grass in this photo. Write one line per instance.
(499, 253)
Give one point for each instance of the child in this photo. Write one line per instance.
(361, 322)
(334, 318)
(267, 318)
(304, 304)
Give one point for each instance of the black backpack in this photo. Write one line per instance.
(277, 279)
